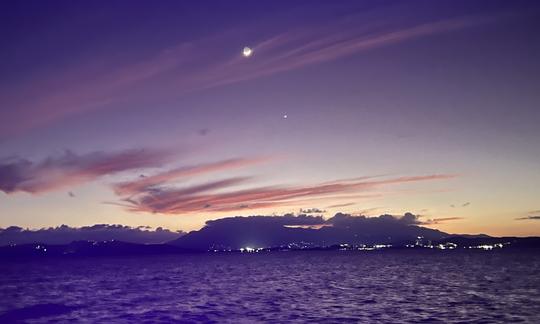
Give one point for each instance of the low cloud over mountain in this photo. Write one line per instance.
(267, 231)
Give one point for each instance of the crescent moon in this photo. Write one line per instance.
(247, 52)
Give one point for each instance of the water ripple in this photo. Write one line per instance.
(326, 287)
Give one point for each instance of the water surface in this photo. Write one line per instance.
(327, 286)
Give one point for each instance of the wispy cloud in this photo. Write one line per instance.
(467, 204)
(367, 211)
(201, 198)
(341, 205)
(179, 69)
(330, 42)
(529, 218)
(312, 211)
(146, 182)
(69, 169)
(435, 221)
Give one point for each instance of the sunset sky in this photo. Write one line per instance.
(147, 113)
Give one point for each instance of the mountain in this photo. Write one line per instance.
(271, 231)
(287, 231)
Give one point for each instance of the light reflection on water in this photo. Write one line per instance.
(383, 286)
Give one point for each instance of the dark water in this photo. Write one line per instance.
(380, 286)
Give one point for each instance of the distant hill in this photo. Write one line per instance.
(271, 231)
(513, 242)
(99, 232)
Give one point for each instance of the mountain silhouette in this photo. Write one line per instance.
(273, 231)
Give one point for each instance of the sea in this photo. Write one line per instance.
(388, 286)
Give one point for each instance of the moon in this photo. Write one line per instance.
(247, 52)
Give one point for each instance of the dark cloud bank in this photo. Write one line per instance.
(99, 232)
(69, 169)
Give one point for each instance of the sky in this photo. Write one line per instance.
(148, 114)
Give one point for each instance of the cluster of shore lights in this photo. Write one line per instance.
(248, 249)
(487, 246)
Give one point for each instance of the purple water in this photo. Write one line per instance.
(377, 286)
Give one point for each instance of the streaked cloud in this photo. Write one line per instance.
(178, 70)
(201, 198)
(341, 205)
(70, 169)
(145, 182)
(467, 204)
(529, 218)
(435, 221)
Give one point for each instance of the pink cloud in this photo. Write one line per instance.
(132, 187)
(179, 69)
(69, 169)
(201, 198)
(341, 205)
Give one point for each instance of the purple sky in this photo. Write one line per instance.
(146, 113)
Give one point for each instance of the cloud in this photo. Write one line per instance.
(99, 232)
(69, 169)
(312, 211)
(201, 198)
(179, 69)
(285, 220)
(203, 131)
(296, 49)
(347, 220)
(146, 182)
(461, 205)
(341, 205)
(409, 219)
(366, 211)
(529, 218)
(434, 221)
